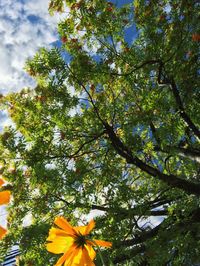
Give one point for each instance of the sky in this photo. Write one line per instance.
(25, 25)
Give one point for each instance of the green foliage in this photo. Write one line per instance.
(115, 130)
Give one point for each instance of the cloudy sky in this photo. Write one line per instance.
(25, 25)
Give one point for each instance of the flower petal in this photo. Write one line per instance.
(80, 229)
(2, 232)
(1, 182)
(75, 258)
(61, 260)
(90, 226)
(4, 197)
(86, 259)
(85, 230)
(55, 232)
(103, 243)
(60, 245)
(67, 257)
(90, 250)
(63, 224)
(79, 257)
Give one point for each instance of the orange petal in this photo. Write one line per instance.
(80, 229)
(86, 259)
(1, 182)
(85, 230)
(2, 232)
(90, 226)
(79, 257)
(60, 245)
(75, 258)
(4, 197)
(61, 260)
(63, 224)
(91, 252)
(103, 243)
(66, 257)
(55, 232)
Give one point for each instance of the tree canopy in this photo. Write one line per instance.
(112, 127)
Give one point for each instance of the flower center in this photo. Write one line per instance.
(80, 240)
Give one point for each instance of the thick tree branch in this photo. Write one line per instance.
(172, 180)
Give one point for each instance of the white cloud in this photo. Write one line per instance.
(24, 27)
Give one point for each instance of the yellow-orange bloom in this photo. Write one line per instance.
(73, 242)
(4, 199)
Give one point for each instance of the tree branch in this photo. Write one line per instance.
(140, 238)
(183, 113)
(122, 212)
(172, 180)
(192, 154)
(135, 251)
(166, 81)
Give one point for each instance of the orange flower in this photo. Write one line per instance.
(73, 242)
(4, 199)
